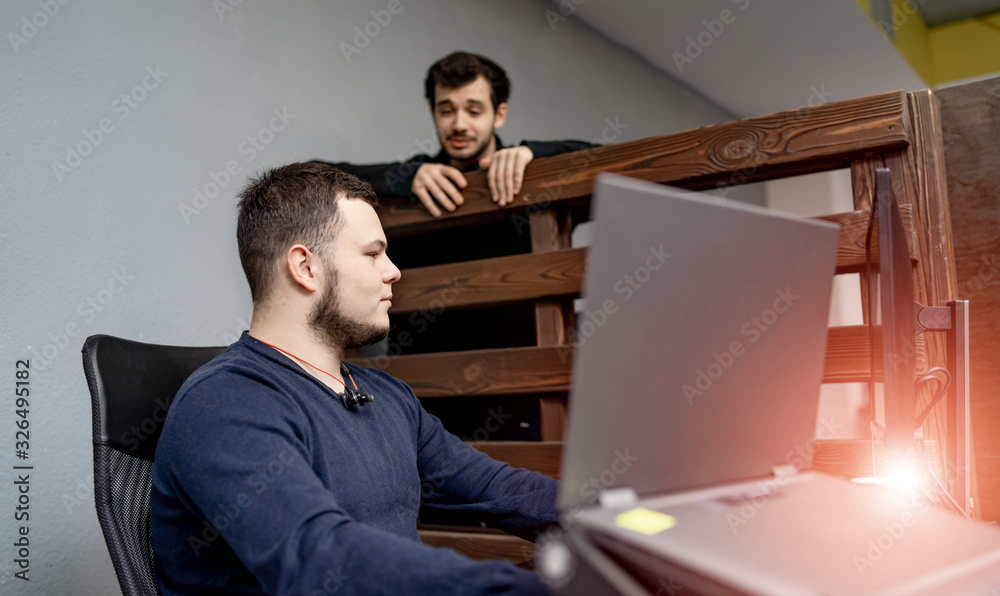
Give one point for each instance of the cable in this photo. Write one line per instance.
(927, 376)
(942, 391)
(924, 378)
(940, 485)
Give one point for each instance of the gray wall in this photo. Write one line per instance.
(112, 240)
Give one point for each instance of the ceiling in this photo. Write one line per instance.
(942, 12)
(754, 57)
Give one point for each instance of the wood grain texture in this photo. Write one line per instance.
(853, 231)
(521, 371)
(488, 282)
(847, 359)
(503, 371)
(550, 231)
(854, 458)
(917, 174)
(793, 142)
(926, 163)
(847, 352)
(500, 280)
(482, 547)
(543, 457)
(970, 117)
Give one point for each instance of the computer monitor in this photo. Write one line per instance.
(892, 291)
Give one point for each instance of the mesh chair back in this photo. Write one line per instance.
(131, 387)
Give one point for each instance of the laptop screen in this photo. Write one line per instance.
(699, 351)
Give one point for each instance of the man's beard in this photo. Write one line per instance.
(336, 330)
(475, 157)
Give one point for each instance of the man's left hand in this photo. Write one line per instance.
(505, 172)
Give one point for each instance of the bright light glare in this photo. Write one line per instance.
(906, 476)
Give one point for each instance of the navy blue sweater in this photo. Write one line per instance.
(263, 483)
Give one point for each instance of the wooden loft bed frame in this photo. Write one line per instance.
(895, 130)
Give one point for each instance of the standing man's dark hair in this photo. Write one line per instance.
(460, 68)
(293, 204)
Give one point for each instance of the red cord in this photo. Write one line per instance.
(349, 375)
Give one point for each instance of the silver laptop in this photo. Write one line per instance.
(693, 407)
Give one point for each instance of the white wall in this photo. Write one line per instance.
(841, 404)
(100, 244)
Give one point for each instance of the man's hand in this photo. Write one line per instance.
(506, 172)
(439, 183)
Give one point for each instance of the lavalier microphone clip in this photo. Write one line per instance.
(352, 398)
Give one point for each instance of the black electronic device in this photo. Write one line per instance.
(352, 398)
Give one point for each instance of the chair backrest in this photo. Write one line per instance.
(131, 387)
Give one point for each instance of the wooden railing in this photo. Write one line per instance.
(895, 130)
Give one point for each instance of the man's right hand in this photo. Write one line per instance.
(437, 183)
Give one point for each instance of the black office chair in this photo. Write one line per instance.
(131, 386)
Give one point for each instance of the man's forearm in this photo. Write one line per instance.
(549, 148)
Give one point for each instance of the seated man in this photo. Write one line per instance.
(468, 99)
(272, 476)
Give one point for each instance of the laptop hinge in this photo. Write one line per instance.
(784, 471)
(616, 498)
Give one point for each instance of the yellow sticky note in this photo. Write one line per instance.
(645, 521)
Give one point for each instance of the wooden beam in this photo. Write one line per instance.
(854, 229)
(505, 371)
(854, 458)
(500, 280)
(532, 370)
(488, 282)
(918, 179)
(970, 117)
(542, 457)
(847, 354)
(783, 144)
(482, 547)
(550, 231)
